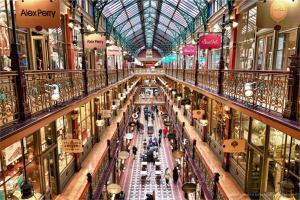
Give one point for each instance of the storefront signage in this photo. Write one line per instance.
(198, 114)
(114, 51)
(234, 146)
(72, 145)
(12, 153)
(38, 14)
(95, 41)
(210, 41)
(284, 13)
(189, 50)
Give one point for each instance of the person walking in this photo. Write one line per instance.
(134, 150)
(160, 133)
(167, 176)
(175, 175)
(159, 141)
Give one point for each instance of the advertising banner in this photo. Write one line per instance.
(189, 50)
(284, 13)
(210, 41)
(38, 14)
(95, 41)
(72, 145)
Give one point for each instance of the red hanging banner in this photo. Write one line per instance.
(189, 50)
(210, 41)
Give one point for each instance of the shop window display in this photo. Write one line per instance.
(258, 133)
(85, 123)
(12, 170)
(284, 161)
(64, 131)
(46, 134)
(246, 37)
(57, 48)
(217, 122)
(240, 130)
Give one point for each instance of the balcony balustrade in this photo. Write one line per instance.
(46, 89)
(269, 87)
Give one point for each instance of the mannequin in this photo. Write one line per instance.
(4, 44)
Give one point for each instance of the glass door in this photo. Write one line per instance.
(39, 53)
(49, 175)
(255, 161)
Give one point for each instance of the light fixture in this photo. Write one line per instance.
(178, 98)
(226, 108)
(54, 90)
(188, 106)
(249, 89)
(234, 24)
(174, 92)
(203, 122)
(71, 23)
(100, 122)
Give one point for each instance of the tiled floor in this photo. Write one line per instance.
(137, 190)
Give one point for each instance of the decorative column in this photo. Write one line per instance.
(215, 187)
(290, 110)
(75, 133)
(105, 64)
(117, 70)
(184, 68)
(20, 80)
(227, 135)
(97, 117)
(84, 67)
(232, 45)
(221, 64)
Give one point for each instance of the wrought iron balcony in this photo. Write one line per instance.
(269, 89)
(46, 89)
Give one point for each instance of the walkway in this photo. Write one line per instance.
(131, 180)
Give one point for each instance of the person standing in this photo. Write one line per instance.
(175, 175)
(134, 150)
(159, 141)
(167, 176)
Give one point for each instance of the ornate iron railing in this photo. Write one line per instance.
(204, 176)
(8, 98)
(43, 85)
(148, 71)
(269, 87)
(45, 89)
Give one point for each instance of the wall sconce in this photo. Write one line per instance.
(174, 92)
(249, 89)
(203, 122)
(226, 108)
(71, 23)
(54, 89)
(90, 28)
(74, 115)
(97, 101)
(188, 106)
(100, 122)
(178, 98)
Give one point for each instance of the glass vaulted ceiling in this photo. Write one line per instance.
(158, 24)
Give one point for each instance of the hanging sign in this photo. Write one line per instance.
(210, 41)
(114, 51)
(95, 41)
(72, 145)
(38, 14)
(234, 146)
(284, 13)
(198, 114)
(189, 50)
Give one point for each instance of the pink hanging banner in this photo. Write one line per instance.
(189, 50)
(210, 41)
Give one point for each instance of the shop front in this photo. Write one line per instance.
(33, 161)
